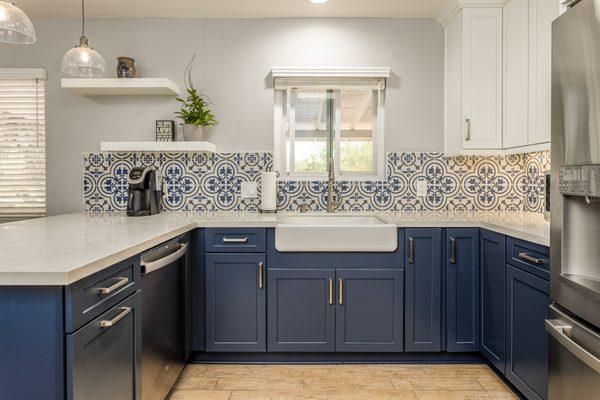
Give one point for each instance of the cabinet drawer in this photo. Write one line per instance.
(529, 257)
(91, 296)
(104, 357)
(235, 240)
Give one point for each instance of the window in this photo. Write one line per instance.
(330, 118)
(22, 144)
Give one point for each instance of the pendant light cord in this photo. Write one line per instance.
(82, 17)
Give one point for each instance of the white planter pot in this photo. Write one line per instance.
(193, 133)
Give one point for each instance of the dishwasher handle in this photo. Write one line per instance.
(151, 266)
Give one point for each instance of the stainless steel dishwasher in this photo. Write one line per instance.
(164, 310)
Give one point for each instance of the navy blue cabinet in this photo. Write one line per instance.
(345, 310)
(493, 298)
(301, 310)
(462, 290)
(235, 302)
(423, 288)
(370, 310)
(104, 357)
(32, 347)
(527, 341)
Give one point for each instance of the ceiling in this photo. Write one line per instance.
(230, 8)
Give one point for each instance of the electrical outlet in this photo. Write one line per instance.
(422, 188)
(249, 190)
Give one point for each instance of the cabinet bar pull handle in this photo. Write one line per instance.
(527, 257)
(330, 291)
(108, 323)
(452, 251)
(121, 281)
(411, 251)
(261, 271)
(235, 240)
(468, 129)
(341, 291)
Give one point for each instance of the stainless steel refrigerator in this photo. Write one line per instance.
(574, 322)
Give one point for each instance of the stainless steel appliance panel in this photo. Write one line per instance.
(575, 221)
(574, 358)
(576, 76)
(163, 319)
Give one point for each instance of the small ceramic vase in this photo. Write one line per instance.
(193, 133)
(126, 67)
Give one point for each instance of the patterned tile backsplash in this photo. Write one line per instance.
(212, 182)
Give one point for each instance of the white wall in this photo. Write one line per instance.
(234, 58)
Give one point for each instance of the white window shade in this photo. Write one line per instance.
(22, 144)
(331, 78)
(330, 83)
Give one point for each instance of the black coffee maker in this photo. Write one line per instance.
(145, 192)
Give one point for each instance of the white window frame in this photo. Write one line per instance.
(350, 76)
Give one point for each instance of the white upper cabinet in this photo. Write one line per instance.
(482, 78)
(527, 71)
(473, 80)
(516, 74)
(498, 74)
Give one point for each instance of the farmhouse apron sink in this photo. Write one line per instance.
(335, 233)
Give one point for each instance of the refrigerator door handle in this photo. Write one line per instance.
(561, 332)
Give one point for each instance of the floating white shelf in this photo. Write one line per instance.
(206, 147)
(121, 87)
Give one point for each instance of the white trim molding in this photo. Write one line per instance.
(453, 6)
(331, 72)
(23, 73)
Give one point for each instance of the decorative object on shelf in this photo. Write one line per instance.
(126, 67)
(195, 112)
(165, 131)
(82, 60)
(15, 25)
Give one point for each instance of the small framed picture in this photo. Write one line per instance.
(165, 131)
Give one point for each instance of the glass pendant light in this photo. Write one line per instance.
(83, 61)
(15, 26)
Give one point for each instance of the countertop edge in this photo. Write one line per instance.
(44, 278)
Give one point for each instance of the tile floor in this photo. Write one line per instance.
(340, 382)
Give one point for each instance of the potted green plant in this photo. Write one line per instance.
(195, 109)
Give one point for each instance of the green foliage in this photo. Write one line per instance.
(355, 157)
(313, 163)
(195, 109)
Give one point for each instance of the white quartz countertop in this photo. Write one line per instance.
(63, 249)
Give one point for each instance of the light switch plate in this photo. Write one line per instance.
(422, 188)
(249, 190)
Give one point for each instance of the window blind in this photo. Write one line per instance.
(22, 144)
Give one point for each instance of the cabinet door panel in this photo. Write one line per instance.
(516, 73)
(482, 78)
(103, 362)
(235, 303)
(493, 298)
(369, 314)
(301, 309)
(542, 13)
(528, 304)
(423, 289)
(462, 289)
